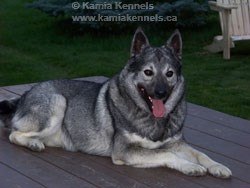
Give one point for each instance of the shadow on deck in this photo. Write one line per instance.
(223, 137)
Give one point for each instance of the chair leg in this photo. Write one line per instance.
(226, 51)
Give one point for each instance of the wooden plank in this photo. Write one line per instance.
(169, 178)
(10, 178)
(245, 15)
(160, 173)
(220, 15)
(220, 6)
(231, 26)
(240, 17)
(219, 117)
(79, 165)
(157, 177)
(212, 182)
(154, 177)
(247, 6)
(217, 145)
(216, 130)
(18, 89)
(46, 174)
(240, 171)
(4, 95)
(144, 176)
(235, 23)
(239, 38)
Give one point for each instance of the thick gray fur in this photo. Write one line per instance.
(114, 118)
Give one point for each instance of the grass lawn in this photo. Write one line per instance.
(35, 47)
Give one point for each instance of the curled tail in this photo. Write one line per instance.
(7, 110)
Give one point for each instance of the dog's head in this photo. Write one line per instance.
(154, 71)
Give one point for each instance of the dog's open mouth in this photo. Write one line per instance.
(155, 105)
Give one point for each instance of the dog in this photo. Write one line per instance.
(136, 117)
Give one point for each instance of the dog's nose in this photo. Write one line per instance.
(160, 94)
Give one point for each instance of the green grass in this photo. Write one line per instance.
(35, 47)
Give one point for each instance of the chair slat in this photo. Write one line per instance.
(232, 28)
(234, 20)
(245, 18)
(221, 20)
(239, 13)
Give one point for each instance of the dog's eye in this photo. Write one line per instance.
(148, 73)
(169, 74)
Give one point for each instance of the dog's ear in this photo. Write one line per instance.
(139, 42)
(175, 43)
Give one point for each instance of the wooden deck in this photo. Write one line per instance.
(223, 137)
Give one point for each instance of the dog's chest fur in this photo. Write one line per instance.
(149, 144)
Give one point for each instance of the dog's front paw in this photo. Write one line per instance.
(36, 145)
(220, 171)
(193, 170)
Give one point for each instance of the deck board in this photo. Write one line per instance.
(12, 179)
(47, 174)
(6, 94)
(154, 177)
(217, 145)
(89, 169)
(223, 137)
(222, 132)
(219, 117)
(240, 170)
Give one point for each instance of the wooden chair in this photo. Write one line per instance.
(235, 24)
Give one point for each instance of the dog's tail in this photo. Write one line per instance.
(7, 111)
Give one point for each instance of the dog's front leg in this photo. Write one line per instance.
(132, 154)
(183, 150)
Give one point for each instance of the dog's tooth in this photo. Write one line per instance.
(150, 98)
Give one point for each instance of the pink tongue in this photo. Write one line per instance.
(158, 108)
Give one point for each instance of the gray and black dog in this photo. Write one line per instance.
(136, 117)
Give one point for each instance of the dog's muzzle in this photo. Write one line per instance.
(156, 106)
